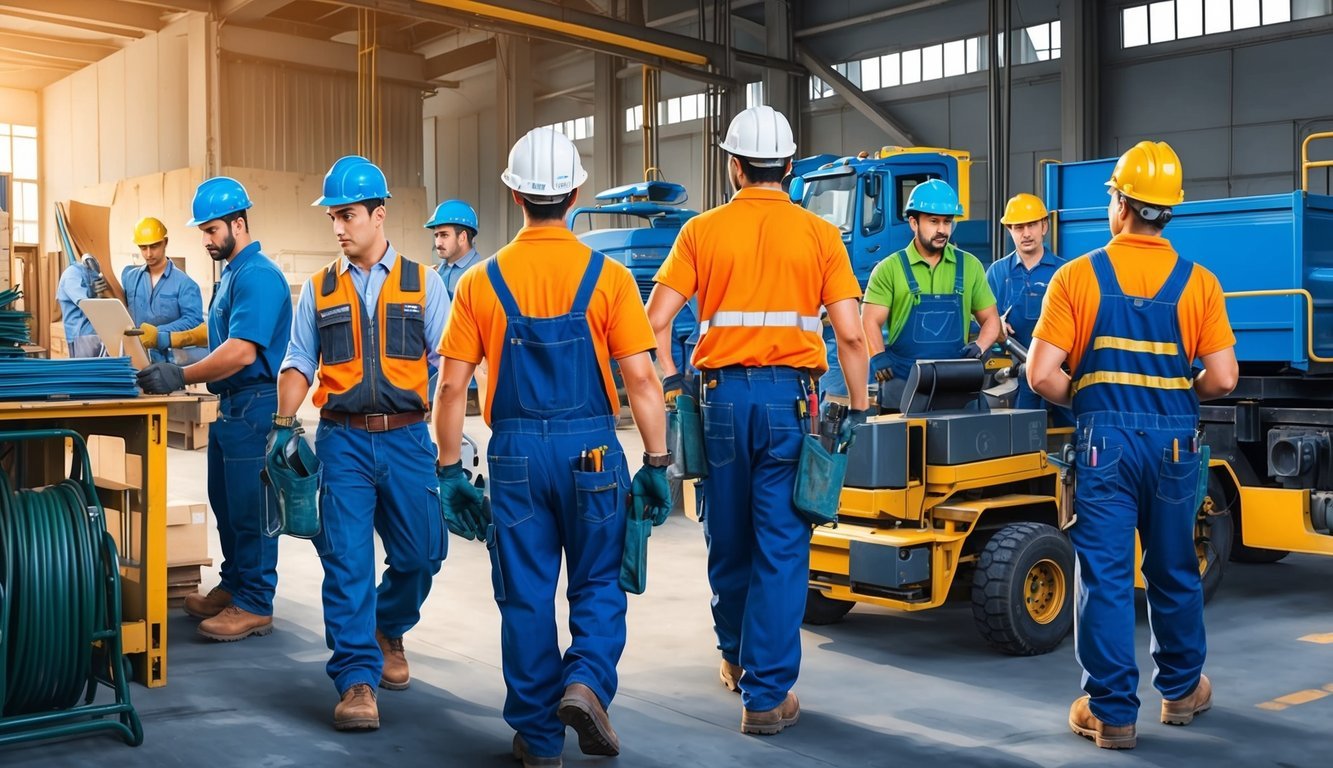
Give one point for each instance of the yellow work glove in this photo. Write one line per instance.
(195, 337)
(149, 337)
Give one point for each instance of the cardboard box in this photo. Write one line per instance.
(113, 468)
(187, 543)
(186, 512)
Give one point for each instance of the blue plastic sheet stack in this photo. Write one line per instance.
(24, 378)
(14, 328)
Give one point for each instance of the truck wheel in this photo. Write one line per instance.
(1239, 552)
(1214, 538)
(821, 609)
(1023, 589)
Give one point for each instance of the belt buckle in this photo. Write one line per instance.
(372, 426)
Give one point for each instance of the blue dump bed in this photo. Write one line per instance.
(1270, 242)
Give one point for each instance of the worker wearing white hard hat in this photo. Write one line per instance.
(547, 315)
(762, 268)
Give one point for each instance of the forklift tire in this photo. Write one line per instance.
(1023, 589)
(1215, 539)
(821, 610)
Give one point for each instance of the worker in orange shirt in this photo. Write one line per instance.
(548, 315)
(762, 268)
(1130, 320)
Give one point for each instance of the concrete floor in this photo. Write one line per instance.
(879, 689)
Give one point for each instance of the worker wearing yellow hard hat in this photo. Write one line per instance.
(164, 301)
(1019, 283)
(1131, 320)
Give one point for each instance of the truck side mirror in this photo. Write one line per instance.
(796, 191)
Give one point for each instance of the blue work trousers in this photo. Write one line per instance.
(240, 501)
(758, 544)
(1138, 483)
(375, 482)
(544, 505)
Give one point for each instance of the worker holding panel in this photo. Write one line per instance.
(163, 300)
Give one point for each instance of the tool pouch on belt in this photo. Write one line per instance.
(685, 437)
(819, 477)
(1065, 516)
(634, 563)
(296, 511)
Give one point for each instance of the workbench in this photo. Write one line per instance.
(142, 423)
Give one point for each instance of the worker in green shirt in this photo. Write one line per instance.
(925, 297)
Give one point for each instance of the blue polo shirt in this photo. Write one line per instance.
(75, 285)
(452, 273)
(1017, 287)
(253, 302)
(174, 304)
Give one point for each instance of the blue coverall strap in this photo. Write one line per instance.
(1176, 281)
(912, 285)
(501, 289)
(588, 284)
(1106, 279)
(959, 270)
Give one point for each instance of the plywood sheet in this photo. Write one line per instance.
(111, 320)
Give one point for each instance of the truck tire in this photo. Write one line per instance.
(1215, 539)
(821, 609)
(1023, 589)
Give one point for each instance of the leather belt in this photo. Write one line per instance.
(374, 422)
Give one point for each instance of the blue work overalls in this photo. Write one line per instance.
(758, 543)
(252, 301)
(1136, 408)
(1019, 293)
(934, 330)
(549, 406)
(174, 304)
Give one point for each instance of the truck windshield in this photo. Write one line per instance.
(831, 200)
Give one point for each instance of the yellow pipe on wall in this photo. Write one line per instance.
(489, 11)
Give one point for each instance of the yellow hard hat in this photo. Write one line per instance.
(1023, 208)
(1150, 172)
(148, 231)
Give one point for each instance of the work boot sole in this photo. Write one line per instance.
(258, 631)
(388, 686)
(201, 614)
(768, 729)
(357, 724)
(1105, 742)
(593, 740)
(1184, 718)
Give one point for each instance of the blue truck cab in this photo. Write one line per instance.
(656, 208)
(864, 195)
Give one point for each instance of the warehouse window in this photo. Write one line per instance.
(18, 157)
(682, 109)
(576, 129)
(1169, 20)
(1039, 42)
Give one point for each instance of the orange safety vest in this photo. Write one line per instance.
(392, 378)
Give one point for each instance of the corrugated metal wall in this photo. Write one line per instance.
(281, 117)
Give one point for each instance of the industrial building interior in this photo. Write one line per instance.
(116, 110)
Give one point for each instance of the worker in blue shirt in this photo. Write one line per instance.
(77, 283)
(249, 318)
(453, 228)
(364, 332)
(1019, 283)
(163, 300)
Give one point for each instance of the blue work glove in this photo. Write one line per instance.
(278, 437)
(881, 366)
(854, 419)
(161, 378)
(973, 351)
(651, 489)
(100, 287)
(467, 511)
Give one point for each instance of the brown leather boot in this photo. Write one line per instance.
(730, 674)
(1086, 724)
(207, 606)
(232, 624)
(533, 761)
(358, 710)
(774, 720)
(580, 710)
(395, 675)
(1182, 711)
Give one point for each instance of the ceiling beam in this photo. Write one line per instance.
(248, 11)
(460, 58)
(199, 6)
(856, 98)
(32, 63)
(129, 16)
(101, 29)
(57, 48)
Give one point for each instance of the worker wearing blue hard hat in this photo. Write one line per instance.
(79, 282)
(363, 334)
(248, 323)
(164, 301)
(927, 294)
(1130, 320)
(548, 315)
(1019, 282)
(454, 229)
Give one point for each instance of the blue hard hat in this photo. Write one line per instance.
(216, 198)
(352, 179)
(453, 212)
(934, 197)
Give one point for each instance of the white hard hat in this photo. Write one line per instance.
(544, 166)
(759, 134)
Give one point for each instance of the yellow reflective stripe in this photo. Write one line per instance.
(1132, 379)
(1134, 345)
